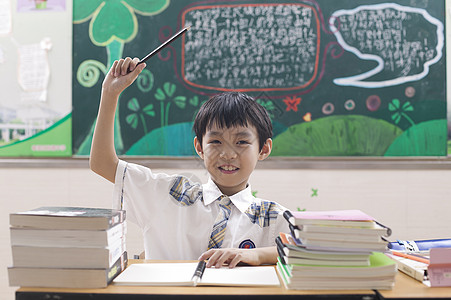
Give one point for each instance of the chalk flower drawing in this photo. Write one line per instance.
(292, 103)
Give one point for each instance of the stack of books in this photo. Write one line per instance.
(334, 250)
(70, 247)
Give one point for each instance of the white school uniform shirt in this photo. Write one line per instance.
(177, 216)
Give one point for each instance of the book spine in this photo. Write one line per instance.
(117, 232)
(289, 217)
(416, 274)
(118, 218)
(116, 251)
(294, 230)
(283, 249)
(280, 250)
(388, 230)
(117, 267)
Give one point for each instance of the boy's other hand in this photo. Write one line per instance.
(231, 257)
(122, 74)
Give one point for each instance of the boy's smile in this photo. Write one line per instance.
(228, 169)
(230, 155)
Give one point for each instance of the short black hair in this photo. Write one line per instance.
(231, 109)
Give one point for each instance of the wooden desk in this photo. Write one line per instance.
(405, 287)
(409, 288)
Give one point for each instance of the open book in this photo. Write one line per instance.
(181, 274)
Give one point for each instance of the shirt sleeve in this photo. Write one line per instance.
(139, 191)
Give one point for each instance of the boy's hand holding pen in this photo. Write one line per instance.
(124, 72)
(199, 272)
(119, 77)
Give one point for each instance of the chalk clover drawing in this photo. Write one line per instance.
(399, 111)
(387, 34)
(138, 114)
(165, 96)
(292, 103)
(268, 105)
(113, 19)
(112, 24)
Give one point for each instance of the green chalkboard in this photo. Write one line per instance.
(338, 78)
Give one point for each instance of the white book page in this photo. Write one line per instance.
(179, 274)
(157, 274)
(241, 276)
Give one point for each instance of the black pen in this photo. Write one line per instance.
(170, 40)
(199, 272)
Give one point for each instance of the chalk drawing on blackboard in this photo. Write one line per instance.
(109, 31)
(392, 36)
(328, 108)
(88, 73)
(349, 129)
(373, 102)
(400, 111)
(364, 136)
(139, 114)
(251, 47)
(349, 104)
(292, 103)
(410, 91)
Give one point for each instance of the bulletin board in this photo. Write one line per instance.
(35, 81)
(338, 78)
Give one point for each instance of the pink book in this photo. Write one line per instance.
(439, 269)
(338, 215)
(354, 218)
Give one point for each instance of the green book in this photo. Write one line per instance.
(379, 275)
(380, 265)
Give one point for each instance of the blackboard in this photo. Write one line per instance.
(338, 78)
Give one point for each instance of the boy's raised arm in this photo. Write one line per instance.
(103, 159)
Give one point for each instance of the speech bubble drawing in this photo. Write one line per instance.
(395, 37)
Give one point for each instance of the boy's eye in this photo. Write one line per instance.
(243, 143)
(214, 142)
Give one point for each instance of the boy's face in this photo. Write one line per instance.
(230, 155)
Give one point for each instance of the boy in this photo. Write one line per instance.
(220, 221)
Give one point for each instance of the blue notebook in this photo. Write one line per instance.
(419, 245)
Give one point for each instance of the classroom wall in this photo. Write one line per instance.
(414, 203)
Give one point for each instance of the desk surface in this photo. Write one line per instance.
(405, 287)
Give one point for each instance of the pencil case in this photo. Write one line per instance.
(419, 245)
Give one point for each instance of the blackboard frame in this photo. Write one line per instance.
(289, 163)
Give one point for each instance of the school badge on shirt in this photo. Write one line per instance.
(247, 244)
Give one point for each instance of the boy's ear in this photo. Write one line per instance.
(198, 147)
(266, 149)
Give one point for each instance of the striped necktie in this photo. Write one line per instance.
(218, 232)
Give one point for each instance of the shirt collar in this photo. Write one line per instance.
(242, 200)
